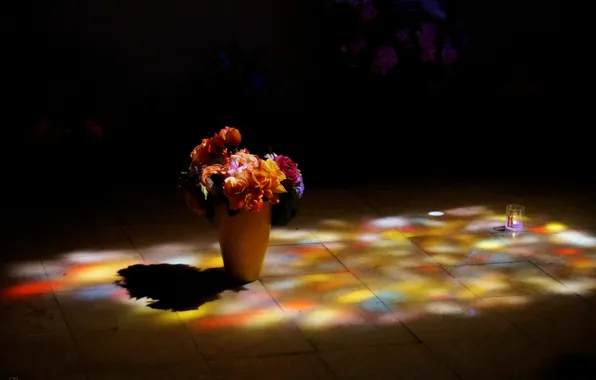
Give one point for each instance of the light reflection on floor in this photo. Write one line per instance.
(351, 271)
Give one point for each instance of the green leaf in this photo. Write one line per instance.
(204, 191)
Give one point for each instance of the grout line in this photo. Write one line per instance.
(282, 276)
(311, 344)
(326, 365)
(70, 331)
(551, 276)
(388, 308)
(195, 344)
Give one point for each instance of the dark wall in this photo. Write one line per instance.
(118, 51)
(144, 67)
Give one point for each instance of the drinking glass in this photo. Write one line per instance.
(514, 217)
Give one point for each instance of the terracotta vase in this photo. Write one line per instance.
(243, 240)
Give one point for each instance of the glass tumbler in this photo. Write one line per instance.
(514, 217)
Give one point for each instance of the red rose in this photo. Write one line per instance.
(289, 168)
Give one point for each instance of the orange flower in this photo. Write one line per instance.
(217, 145)
(206, 177)
(267, 177)
(236, 190)
(231, 136)
(253, 201)
(200, 154)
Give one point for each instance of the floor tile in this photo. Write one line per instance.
(21, 279)
(578, 275)
(112, 238)
(490, 359)
(342, 327)
(465, 319)
(109, 308)
(250, 313)
(14, 273)
(559, 247)
(567, 316)
(79, 270)
(199, 256)
(162, 211)
(47, 355)
(119, 350)
(370, 230)
(247, 335)
(57, 240)
(31, 313)
(343, 282)
(406, 285)
(493, 280)
(178, 371)
(251, 298)
(299, 259)
(149, 235)
(462, 220)
(461, 249)
(358, 256)
(412, 361)
(287, 367)
(332, 203)
(291, 234)
(311, 292)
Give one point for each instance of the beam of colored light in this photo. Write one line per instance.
(555, 227)
(567, 251)
(222, 321)
(299, 305)
(355, 297)
(29, 289)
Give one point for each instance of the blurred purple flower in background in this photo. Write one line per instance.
(367, 11)
(354, 46)
(404, 38)
(448, 54)
(385, 60)
(426, 39)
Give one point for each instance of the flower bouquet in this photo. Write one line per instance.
(246, 194)
(221, 172)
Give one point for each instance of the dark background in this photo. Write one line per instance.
(145, 71)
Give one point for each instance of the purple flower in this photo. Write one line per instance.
(300, 187)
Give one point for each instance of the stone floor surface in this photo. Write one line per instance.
(363, 284)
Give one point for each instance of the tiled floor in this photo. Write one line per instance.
(364, 284)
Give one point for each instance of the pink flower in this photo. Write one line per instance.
(289, 168)
(367, 12)
(385, 60)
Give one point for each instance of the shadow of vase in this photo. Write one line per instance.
(176, 287)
